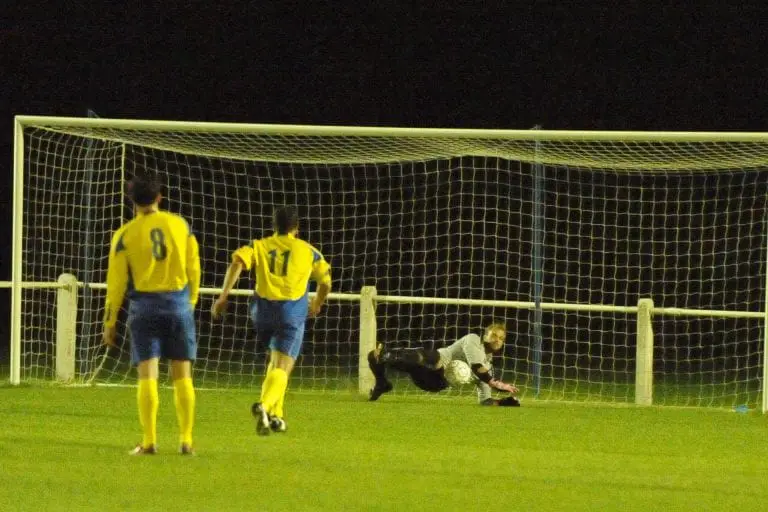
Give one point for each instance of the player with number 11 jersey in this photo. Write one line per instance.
(282, 265)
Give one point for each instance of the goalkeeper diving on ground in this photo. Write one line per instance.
(427, 367)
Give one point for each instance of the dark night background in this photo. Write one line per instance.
(625, 66)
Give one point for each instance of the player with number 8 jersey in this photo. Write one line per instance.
(155, 259)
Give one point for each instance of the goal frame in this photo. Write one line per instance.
(367, 297)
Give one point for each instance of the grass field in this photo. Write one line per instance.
(66, 449)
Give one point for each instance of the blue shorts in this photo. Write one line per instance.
(280, 323)
(168, 333)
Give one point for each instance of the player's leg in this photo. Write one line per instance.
(145, 353)
(148, 401)
(379, 371)
(276, 423)
(270, 409)
(410, 357)
(428, 379)
(285, 347)
(184, 401)
(286, 362)
(262, 323)
(286, 322)
(179, 345)
(283, 358)
(276, 412)
(269, 369)
(422, 365)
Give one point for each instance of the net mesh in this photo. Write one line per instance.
(680, 222)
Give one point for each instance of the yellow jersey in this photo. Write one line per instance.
(283, 265)
(155, 253)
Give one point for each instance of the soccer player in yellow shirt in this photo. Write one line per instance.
(155, 258)
(283, 265)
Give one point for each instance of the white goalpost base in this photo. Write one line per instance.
(630, 267)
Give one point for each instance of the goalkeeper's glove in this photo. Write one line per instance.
(509, 401)
(502, 386)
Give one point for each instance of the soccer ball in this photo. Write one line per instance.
(458, 373)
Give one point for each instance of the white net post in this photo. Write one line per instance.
(367, 338)
(644, 354)
(66, 327)
(17, 277)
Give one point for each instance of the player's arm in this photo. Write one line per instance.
(484, 375)
(484, 396)
(243, 258)
(193, 269)
(475, 356)
(117, 283)
(321, 273)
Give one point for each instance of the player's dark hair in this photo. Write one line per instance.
(286, 220)
(143, 189)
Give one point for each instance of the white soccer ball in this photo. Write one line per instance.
(458, 373)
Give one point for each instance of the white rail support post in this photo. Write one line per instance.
(644, 356)
(365, 380)
(66, 327)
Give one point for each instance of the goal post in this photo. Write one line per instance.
(17, 232)
(430, 233)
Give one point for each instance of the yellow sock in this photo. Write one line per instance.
(278, 410)
(273, 388)
(184, 399)
(148, 404)
(263, 387)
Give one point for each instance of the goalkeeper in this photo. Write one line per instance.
(425, 367)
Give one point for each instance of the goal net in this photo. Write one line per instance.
(559, 234)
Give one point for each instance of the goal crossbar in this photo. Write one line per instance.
(389, 132)
(370, 145)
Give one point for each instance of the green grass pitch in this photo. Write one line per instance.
(66, 449)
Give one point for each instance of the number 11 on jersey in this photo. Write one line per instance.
(273, 258)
